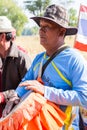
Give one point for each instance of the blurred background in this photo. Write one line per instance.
(20, 11)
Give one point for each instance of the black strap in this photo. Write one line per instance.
(53, 56)
(81, 123)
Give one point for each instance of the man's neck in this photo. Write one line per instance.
(53, 50)
(4, 52)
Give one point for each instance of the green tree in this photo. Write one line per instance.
(72, 17)
(36, 7)
(10, 9)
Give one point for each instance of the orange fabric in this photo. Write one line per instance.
(34, 113)
(40, 80)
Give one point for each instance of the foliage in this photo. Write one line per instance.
(30, 31)
(35, 30)
(10, 9)
(36, 7)
(72, 17)
(27, 31)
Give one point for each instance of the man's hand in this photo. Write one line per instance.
(34, 85)
(11, 100)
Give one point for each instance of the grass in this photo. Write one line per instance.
(32, 45)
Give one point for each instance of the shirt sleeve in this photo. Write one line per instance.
(21, 90)
(78, 95)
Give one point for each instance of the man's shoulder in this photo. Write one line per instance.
(17, 51)
(40, 55)
(23, 54)
(22, 49)
(72, 51)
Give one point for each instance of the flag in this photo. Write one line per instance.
(81, 37)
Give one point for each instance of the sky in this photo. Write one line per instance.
(75, 5)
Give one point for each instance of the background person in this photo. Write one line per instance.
(65, 77)
(14, 63)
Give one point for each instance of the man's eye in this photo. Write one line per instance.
(45, 28)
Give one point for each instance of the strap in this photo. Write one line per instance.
(52, 57)
(81, 123)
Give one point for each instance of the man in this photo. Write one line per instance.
(63, 80)
(14, 63)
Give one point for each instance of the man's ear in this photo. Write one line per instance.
(62, 31)
(3, 36)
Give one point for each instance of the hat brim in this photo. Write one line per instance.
(69, 30)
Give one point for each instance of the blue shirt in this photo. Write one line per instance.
(67, 67)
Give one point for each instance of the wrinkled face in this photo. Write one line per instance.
(49, 34)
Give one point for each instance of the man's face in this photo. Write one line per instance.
(49, 34)
(4, 45)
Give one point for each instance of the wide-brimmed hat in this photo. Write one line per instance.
(5, 25)
(58, 15)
